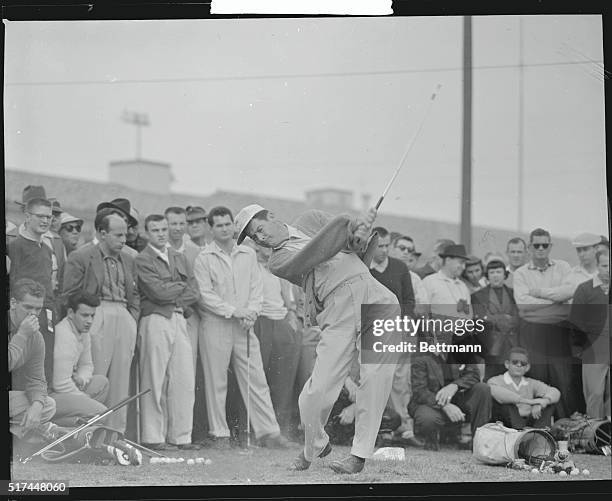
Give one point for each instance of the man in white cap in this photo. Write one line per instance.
(329, 257)
(70, 231)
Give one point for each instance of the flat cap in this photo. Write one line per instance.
(586, 240)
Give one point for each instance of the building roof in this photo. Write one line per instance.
(80, 197)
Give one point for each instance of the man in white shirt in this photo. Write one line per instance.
(77, 391)
(449, 297)
(541, 296)
(232, 294)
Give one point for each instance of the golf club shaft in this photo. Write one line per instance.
(410, 145)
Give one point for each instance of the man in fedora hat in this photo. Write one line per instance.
(123, 208)
(323, 254)
(448, 295)
(435, 260)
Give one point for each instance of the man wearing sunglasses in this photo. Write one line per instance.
(539, 291)
(520, 401)
(70, 231)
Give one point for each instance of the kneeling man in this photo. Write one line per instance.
(77, 392)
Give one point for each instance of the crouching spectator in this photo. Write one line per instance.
(30, 408)
(341, 423)
(444, 396)
(78, 393)
(522, 401)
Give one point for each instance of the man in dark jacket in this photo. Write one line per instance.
(445, 393)
(105, 271)
(590, 316)
(167, 292)
(495, 305)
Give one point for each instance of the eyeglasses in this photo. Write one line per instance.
(541, 246)
(404, 248)
(44, 217)
(72, 227)
(522, 363)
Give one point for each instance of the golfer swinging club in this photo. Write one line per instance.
(329, 257)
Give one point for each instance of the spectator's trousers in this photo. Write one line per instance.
(85, 405)
(113, 338)
(166, 367)
(224, 341)
(18, 406)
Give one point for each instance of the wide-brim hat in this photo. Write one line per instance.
(30, 192)
(455, 251)
(243, 218)
(67, 218)
(121, 204)
(56, 208)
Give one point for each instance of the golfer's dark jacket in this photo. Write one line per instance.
(164, 289)
(84, 271)
(430, 374)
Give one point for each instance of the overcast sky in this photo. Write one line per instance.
(280, 106)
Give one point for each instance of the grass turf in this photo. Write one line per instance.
(265, 466)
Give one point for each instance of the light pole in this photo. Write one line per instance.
(466, 177)
(521, 133)
(139, 120)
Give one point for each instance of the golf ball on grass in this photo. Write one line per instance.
(190, 462)
(535, 470)
(562, 474)
(208, 461)
(586, 472)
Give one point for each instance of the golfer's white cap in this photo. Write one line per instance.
(243, 218)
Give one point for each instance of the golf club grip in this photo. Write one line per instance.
(380, 200)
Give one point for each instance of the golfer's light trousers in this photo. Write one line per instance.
(340, 323)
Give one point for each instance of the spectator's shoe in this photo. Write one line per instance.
(204, 442)
(275, 442)
(300, 463)
(349, 465)
(160, 446)
(432, 442)
(188, 447)
(465, 442)
(220, 443)
(412, 441)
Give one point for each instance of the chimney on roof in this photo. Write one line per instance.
(142, 175)
(330, 198)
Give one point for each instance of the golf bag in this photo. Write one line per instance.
(584, 434)
(96, 444)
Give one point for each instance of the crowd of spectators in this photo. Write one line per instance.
(171, 303)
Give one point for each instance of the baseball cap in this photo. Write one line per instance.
(195, 212)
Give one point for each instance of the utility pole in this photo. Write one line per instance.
(466, 177)
(139, 120)
(521, 132)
